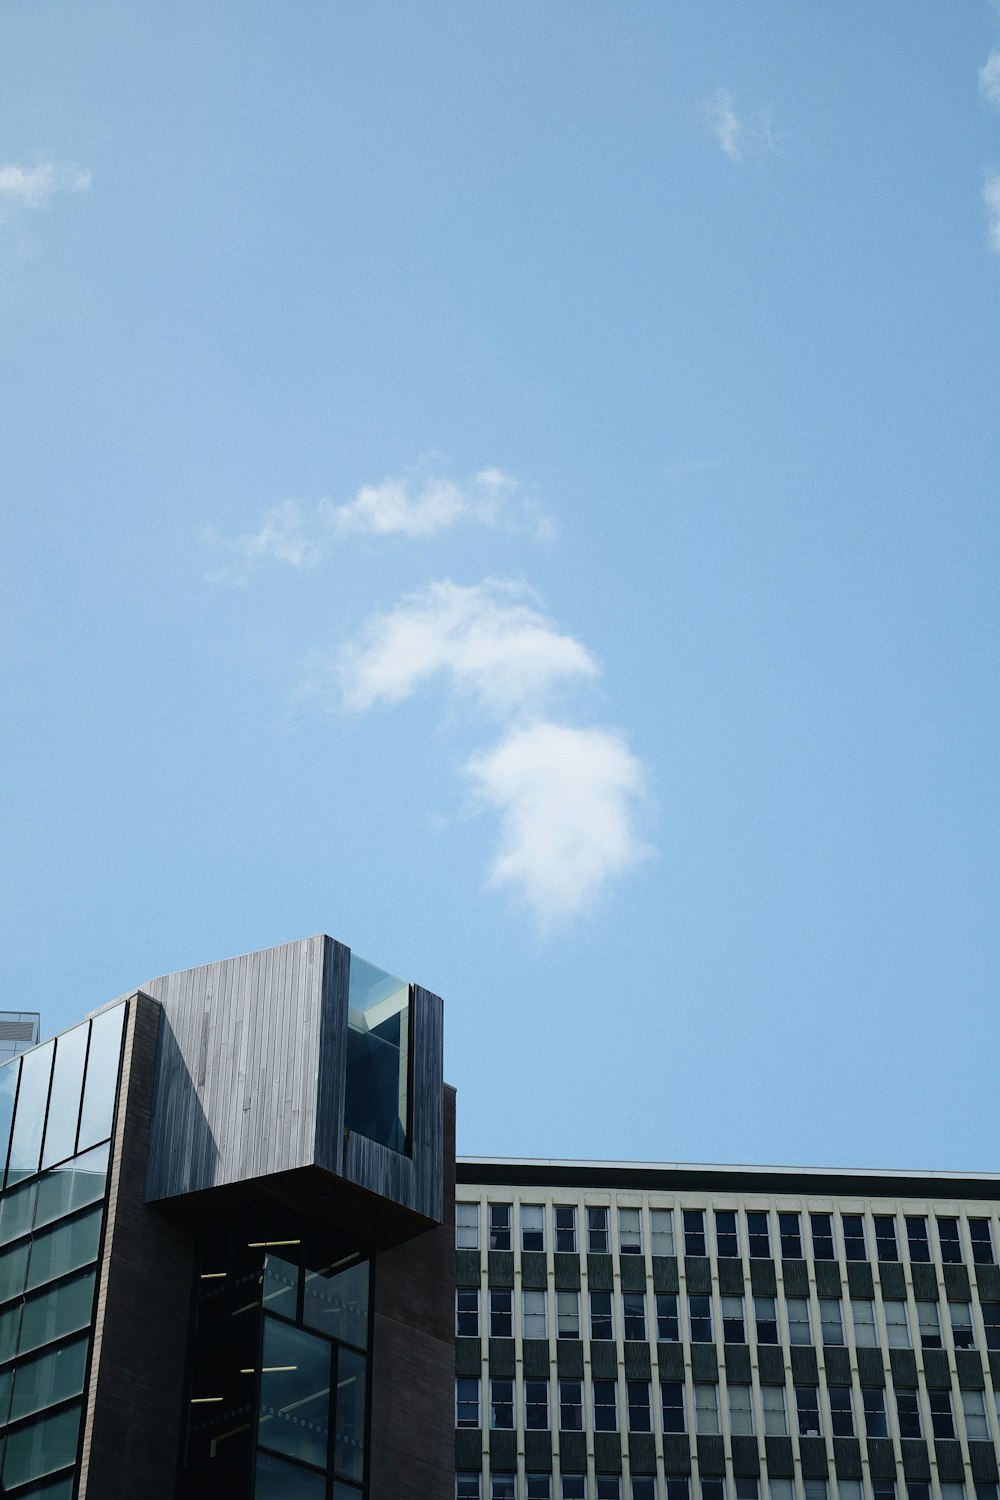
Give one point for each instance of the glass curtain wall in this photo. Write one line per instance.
(57, 1110)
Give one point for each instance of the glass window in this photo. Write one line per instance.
(853, 1226)
(884, 1489)
(467, 1226)
(14, 1268)
(640, 1417)
(790, 1235)
(501, 1314)
(10, 1322)
(897, 1325)
(466, 1402)
(295, 1394)
(727, 1240)
(64, 1247)
(740, 1410)
(573, 1487)
(822, 1236)
(67, 1088)
(831, 1320)
(503, 1486)
(643, 1487)
(468, 1486)
(781, 1489)
(536, 1405)
(532, 1226)
(746, 1489)
(466, 1313)
(706, 1409)
(565, 1219)
(772, 1400)
(598, 1234)
(605, 1406)
(961, 1325)
(500, 1237)
(672, 1404)
(17, 1210)
(758, 1235)
(29, 1117)
(876, 1421)
(42, 1447)
(694, 1232)
(807, 1410)
(841, 1411)
(765, 1311)
(72, 1185)
(942, 1416)
(568, 1314)
(676, 1488)
(974, 1410)
(602, 1323)
(9, 1074)
(277, 1480)
(56, 1312)
(953, 1492)
(799, 1320)
(533, 1315)
(951, 1244)
(917, 1491)
(982, 1242)
(378, 1044)
(916, 1238)
(101, 1087)
(501, 1404)
(991, 1319)
(539, 1487)
(630, 1231)
(815, 1489)
(609, 1487)
(634, 1314)
(49, 1378)
(865, 1331)
(336, 1302)
(885, 1237)
(713, 1488)
(661, 1228)
(700, 1318)
(571, 1405)
(929, 1323)
(667, 1319)
(733, 1331)
(908, 1412)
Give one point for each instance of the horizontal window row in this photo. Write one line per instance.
(63, 1247)
(505, 1486)
(40, 1447)
(55, 1194)
(874, 1325)
(47, 1316)
(757, 1233)
(932, 1414)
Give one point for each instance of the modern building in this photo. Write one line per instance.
(665, 1332)
(18, 1032)
(225, 1241)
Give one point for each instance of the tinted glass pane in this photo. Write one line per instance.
(73, 1185)
(8, 1090)
(6, 1381)
(53, 1489)
(17, 1209)
(13, 1269)
(32, 1097)
(65, 1247)
(67, 1087)
(295, 1393)
(49, 1378)
(378, 1030)
(277, 1480)
(349, 1455)
(101, 1086)
(10, 1322)
(348, 1492)
(41, 1448)
(61, 1310)
(281, 1286)
(336, 1303)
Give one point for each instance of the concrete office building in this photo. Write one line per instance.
(643, 1332)
(225, 1241)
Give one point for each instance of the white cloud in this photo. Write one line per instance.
(989, 79)
(396, 507)
(991, 198)
(567, 802)
(485, 639)
(741, 138)
(32, 187)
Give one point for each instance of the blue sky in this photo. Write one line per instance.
(514, 487)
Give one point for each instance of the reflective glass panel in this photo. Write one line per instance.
(6, 1380)
(277, 1480)
(49, 1378)
(101, 1086)
(41, 1447)
(345, 1492)
(67, 1087)
(54, 1489)
(13, 1269)
(72, 1185)
(378, 1034)
(349, 1455)
(61, 1310)
(281, 1285)
(29, 1117)
(295, 1393)
(64, 1247)
(8, 1091)
(10, 1322)
(336, 1303)
(17, 1210)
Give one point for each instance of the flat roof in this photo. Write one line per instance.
(675, 1176)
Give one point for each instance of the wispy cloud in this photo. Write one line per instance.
(991, 198)
(485, 639)
(32, 187)
(740, 137)
(989, 79)
(567, 799)
(301, 538)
